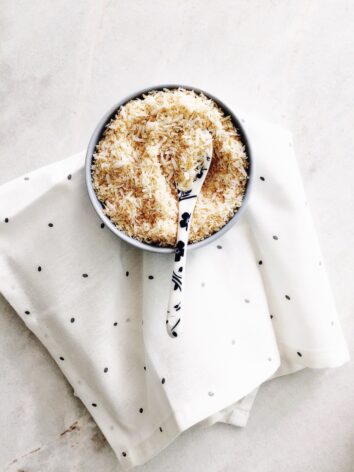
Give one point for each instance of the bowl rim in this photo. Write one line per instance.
(96, 136)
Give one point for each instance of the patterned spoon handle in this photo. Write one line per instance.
(186, 203)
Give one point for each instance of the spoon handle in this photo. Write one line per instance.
(187, 202)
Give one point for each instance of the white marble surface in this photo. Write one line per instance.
(63, 64)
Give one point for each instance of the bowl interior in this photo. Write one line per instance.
(97, 135)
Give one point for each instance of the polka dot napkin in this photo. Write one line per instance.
(258, 303)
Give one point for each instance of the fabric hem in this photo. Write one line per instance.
(150, 447)
(316, 358)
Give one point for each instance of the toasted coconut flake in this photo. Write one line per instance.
(159, 141)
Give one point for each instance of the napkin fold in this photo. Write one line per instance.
(257, 304)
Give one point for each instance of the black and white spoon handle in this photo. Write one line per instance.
(186, 203)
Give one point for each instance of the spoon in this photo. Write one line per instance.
(186, 202)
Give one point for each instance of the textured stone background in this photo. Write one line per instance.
(63, 63)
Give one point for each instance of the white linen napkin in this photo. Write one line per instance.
(257, 305)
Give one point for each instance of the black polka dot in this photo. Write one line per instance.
(85, 275)
(124, 454)
(246, 300)
(275, 237)
(105, 370)
(260, 262)
(141, 410)
(127, 274)
(219, 247)
(144, 367)
(72, 320)
(163, 380)
(61, 358)
(50, 225)
(287, 297)
(271, 317)
(299, 354)
(6, 220)
(211, 394)
(94, 404)
(262, 178)
(27, 312)
(160, 429)
(102, 225)
(115, 323)
(39, 268)
(151, 277)
(69, 177)
(26, 178)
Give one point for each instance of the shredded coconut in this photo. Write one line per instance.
(156, 143)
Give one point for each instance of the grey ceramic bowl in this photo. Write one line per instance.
(95, 138)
